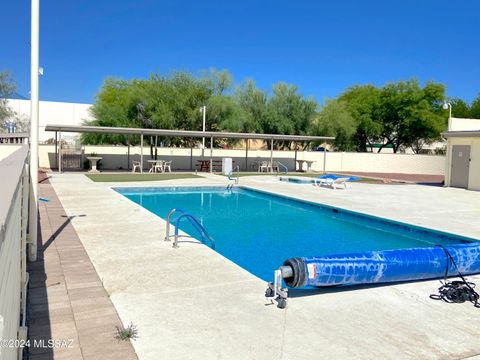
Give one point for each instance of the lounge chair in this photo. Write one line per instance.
(334, 181)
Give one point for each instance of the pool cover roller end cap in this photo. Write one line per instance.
(297, 276)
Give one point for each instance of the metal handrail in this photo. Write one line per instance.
(167, 233)
(284, 166)
(199, 227)
(237, 179)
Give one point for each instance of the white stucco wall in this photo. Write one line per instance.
(459, 124)
(115, 157)
(52, 112)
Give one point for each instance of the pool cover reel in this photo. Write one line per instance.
(380, 266)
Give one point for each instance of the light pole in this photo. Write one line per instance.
(33, 213)
(448, 106)
(203, 110)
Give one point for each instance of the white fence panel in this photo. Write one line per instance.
(13, 215)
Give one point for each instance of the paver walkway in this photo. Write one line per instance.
(67, 301)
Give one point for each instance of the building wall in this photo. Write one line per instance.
(382, 163)
(115, 157)
(474, 169)
(459, 124)
(51, 112)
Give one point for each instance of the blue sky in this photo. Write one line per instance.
(321, 46)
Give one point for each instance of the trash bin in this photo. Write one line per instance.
(226, 166)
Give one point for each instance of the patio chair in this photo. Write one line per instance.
(264, 165)
(275, 166)
(136, 165)
(167, 165)
(159, 166)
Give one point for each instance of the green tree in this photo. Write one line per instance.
(363, 103)
(253, 102)
(7, 87)
(224, 114)
(336, 120)
(475, 108)
(460, 108)
(112, 108)
(288, 112)
(219, 80)
(170, 102)
(409, 113)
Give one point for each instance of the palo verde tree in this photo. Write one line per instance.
(288, 112)
(253, 102)
(335, 120)
(170, 102)
(363, 103)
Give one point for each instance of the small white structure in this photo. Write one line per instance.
(463, 153)
(227, 166)
(53, 112)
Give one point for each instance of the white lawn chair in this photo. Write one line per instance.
(264, 165)
(159, 166)
(274, 166)
(167, 165)
(136, 165)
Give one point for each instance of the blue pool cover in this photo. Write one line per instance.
(383, 266)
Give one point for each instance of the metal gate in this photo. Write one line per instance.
(460, 166)
(71, 156)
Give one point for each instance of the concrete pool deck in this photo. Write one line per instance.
(192, 303)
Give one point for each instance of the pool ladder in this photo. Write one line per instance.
(196, 224)
(235, 179)
(285, 168)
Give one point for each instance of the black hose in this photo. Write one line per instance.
(456, 291)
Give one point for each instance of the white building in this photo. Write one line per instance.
(463, 153)
(52, 112)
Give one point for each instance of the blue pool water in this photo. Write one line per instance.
(259, 231)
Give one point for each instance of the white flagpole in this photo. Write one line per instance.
(33, 220)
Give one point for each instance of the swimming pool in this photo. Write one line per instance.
(258, 231)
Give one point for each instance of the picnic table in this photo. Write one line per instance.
(301, 162)
(204, 165)
(154, 163)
